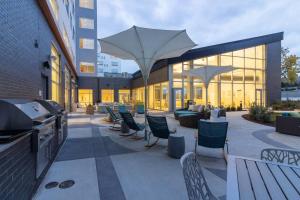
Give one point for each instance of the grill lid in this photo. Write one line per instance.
(19, 114)
(52, 106)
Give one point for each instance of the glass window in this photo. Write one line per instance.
(238, 62)
(227, 54)
(226, 77)
(199, 93)
(165, 96)
(124, 96)
(157, 96)
(238, 95)
(177, 84)
(200, 61)
(226, 61)
(259, 78)
(54, 6)
(151, 96)
(85, 97)
(238, 75)
(213, 94)
(85, 43)
(67, 89)
(249, 95)
(260, 64)
(226, 94)
(107, 96)
(86, 23)
(177, 72)
(212, 60)
(86, 4)
(250, 52)
(249, 63)
(249, 76)
(55, 74)
(260, 52)
(86, 67)
(239, 53)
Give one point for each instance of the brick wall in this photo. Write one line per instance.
(17, 171)
(23, 25)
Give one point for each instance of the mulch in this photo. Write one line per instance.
(247, 117)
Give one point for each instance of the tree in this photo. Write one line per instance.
(289, 65)
(292, 76)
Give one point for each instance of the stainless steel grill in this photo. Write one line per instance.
(23, 116)
(61, 118)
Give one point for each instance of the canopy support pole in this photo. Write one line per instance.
(146, 107)
(206, 95)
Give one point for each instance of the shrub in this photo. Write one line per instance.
(286, 105)
(260, 113)
(228, 109)
(233, 108)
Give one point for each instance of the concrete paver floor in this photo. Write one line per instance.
(107, 166)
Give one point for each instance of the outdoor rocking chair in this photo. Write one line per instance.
(212, 135)
(159, 128)
(130, 122)
(116, 119)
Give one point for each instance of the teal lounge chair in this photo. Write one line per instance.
(212, 135)
(159, 128)
(130, 122)
(116, 119)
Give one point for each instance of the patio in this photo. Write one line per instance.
(105, 165)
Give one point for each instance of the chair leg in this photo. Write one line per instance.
(136, 137)
(114, 128)
(196, 145)
(128, 134)
(153, 144)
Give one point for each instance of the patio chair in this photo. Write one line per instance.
(281, 156)
(116, 119)
(130, 122)
(122, 108)
(212, 135)
(195, 181)
(140, 109)
(159, 128)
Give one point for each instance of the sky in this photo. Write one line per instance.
(207, 22)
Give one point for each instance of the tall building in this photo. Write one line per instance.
(107, 64)
(38, 50)
(86, 37)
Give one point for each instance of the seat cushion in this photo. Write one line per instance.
(185, 112)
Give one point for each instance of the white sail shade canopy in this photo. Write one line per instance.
(207, 73)
(146, 46)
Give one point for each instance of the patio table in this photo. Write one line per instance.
(256, 179)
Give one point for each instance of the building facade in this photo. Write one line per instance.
(255, 80)
(86, 37)
(38, 50)
(107, 64)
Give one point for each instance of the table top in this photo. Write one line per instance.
(256, 179)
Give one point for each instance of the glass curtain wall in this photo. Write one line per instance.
(241, 87)
(158, 96)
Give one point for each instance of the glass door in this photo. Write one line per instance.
(259, 97)
(178, 98)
